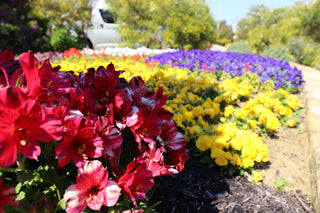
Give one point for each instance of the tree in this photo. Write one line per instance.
(63, 15)
(19, 30)
(254, 18)
(225, 33)
(165, 23)
(310, 20)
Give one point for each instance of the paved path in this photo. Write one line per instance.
(312, 103)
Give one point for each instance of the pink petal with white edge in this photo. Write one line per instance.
(112, 192)
(74, 199)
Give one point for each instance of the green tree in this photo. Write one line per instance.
(254, 18)
(165, 23)
(64, 16)
(19, 30)
(225, 33)
(310, 20)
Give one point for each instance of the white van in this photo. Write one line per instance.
(102, 31)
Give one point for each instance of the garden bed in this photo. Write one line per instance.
(285, 186)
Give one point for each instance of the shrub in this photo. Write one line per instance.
(18, 30)
(241, 47)
(280, 52)
(60, 40)
(304, 50)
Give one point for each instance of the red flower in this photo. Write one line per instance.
(44, 82)
(136, 180)
(247, 68)
(7, 196)
(174, 144)
(92, 189)
(171, 139)
(10, 66)
(79, 142)
(155, 162)
(111, 136)
(22, 126)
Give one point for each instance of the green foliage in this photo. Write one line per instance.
(60, 40)
(281, 183)
(304, 50)
(225, 33)
(310, 20)
(62, 20)
(165, 23)
(280, 52)
(297, 27)
(241, 47)
(19, 30)
(254, 18)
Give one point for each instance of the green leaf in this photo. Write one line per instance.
(21, 195)
(60, 206)
(18, 187)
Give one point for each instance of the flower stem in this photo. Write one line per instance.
(8, 169)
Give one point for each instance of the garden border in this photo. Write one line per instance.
(311, 92)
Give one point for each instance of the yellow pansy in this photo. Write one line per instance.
(228, 110)
(291, 123)
(203, 143)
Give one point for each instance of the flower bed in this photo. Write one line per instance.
(71, 141)
(279, 71)
(107, 114)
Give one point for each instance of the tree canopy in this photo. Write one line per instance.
(165, 23)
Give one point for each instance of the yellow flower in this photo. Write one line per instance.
(253, 123)
(236, 160)
(223, 119)
(197, 111)
(240, 114)
(221, 161)
(187, 115)
(291, 123)
(247, 163)
(220, 141)
(257, 176)
(228, 110)
(273, 122)
(195, 130)
(236, 143)
(221, 157)
(217, 99)
(203, 143)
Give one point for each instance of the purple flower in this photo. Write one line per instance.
(233, 63)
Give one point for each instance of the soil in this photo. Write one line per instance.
(285, 187)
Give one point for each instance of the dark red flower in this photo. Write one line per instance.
(170, 138)
(43, 83)
(156, 163)
(79, 141)
(110, 135)
(7, 196)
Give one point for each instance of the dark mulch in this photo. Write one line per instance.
(199, 188)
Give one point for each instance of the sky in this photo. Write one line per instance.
(233, 10)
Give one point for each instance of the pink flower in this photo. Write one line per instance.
(7, 196)
(92, 189)
(133, 211)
